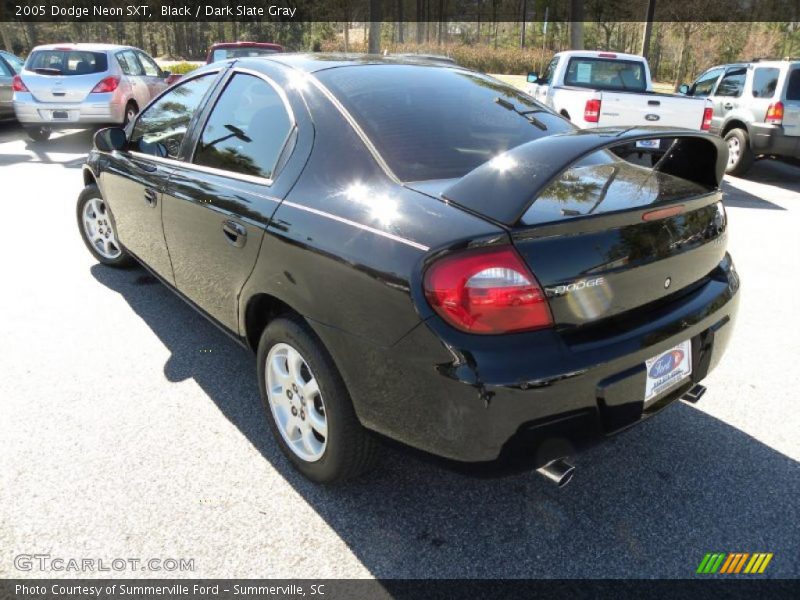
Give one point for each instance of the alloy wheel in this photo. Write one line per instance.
(734, 151)
(296, 402)
(99, 229)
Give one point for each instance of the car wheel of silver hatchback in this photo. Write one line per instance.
(296, 402)
(99, 229)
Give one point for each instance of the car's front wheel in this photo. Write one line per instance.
(38, 134)
(740, 156)
(308, 406)
(98, 229)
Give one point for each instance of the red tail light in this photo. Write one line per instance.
(487, 291)
(606, 55)
(775, 113)
(707, 114)
(591, 113)
(18, 85)
(109, 84)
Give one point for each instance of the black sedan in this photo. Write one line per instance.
(417, 250)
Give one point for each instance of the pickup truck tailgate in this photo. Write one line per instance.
(637, 109)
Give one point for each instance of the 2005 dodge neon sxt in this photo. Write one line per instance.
(419, 250)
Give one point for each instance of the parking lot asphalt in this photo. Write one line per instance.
(131, 427)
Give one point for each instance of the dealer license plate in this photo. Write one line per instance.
(652, 144)
(668, 369)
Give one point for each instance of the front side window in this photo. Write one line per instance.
(247, 129)
(159, 130)
(128, 63)
(149, 65)
(705, 83)
(732, 84)
(765, 81)
(605, 74)
(431, 122)
(67, 62)
(551, 68)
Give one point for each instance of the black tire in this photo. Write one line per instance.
(38, 134)
(741, 164)
(350, 449)
(122, 259)
(131, 110)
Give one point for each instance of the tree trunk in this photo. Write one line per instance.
(375, 26)
(687, 31)
(6, 36)
(400, 23)
(576, 25)
(347, 36)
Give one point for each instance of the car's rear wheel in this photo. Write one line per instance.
(38, 134)
(98, 229)
(308, 406)
(740, 156)
(131, 110)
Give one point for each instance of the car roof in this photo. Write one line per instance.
(313, 62)
(87, 47)
(245, 45)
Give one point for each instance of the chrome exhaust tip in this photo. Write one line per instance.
(694, 394)
(558, 471)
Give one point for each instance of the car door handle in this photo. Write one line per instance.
(235, 234)
(151, 196)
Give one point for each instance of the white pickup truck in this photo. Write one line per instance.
(599, 89)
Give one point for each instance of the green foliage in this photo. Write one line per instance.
(180, 68)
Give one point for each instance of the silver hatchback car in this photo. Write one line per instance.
(84, 85)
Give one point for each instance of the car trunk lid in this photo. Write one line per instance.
(51, 87)
(604, 236)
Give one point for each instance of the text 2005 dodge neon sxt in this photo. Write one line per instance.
(419, 250)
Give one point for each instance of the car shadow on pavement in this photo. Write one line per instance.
(649, 503)
(72, 142)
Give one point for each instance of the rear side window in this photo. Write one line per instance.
(732, 84)
(67, 62)
(793, 85)
(598, 73)
(247, 129)
(4, 70)
(159, 130)
(765, 81)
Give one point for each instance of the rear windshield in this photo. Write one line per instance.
(793, 85)
(602, 183)
(67, 62)
(606, 74)
(226, 53)
(436, 123)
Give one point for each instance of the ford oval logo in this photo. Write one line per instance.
(666, 364)
(652, 117)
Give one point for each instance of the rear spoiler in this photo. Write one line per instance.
(503, 188)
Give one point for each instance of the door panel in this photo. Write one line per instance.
(216, 210)
(132, 186)
(213, 230)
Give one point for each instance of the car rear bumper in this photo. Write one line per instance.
(531, 396)
(772, 140)
(100, 111)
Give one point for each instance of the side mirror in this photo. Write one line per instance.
(532, 77)
(684, 88)
(110, 139)
(166, 74)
